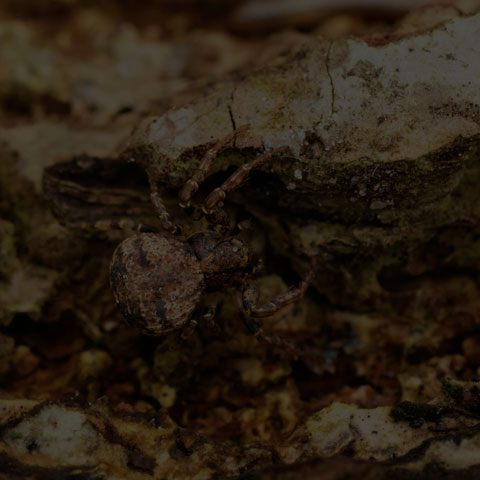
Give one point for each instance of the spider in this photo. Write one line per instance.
(159, 279)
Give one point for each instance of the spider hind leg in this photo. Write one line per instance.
(251, 310)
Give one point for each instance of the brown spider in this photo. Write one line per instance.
(158, 280)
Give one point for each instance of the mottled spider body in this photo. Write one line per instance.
(160, 277)
(158, 282)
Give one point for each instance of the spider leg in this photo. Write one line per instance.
(200, 174)
(188, 329)
(209, 316)
(250, 298)
(250, 309)
(245, 225)
(161, 209)
(105, 225)
(255, 328)
(236, 179)
(124, 224)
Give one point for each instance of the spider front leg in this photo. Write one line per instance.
(193, 184)
(236, 179)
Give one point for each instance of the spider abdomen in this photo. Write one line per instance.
(157, 282)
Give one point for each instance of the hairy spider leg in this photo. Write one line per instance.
(192, 185)
(188, 329)
(105, 225)
(245, 225)
(250, 309)
(208, 317)
(254, 328)
(236, 179)
(250, 295)
(161, 209)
